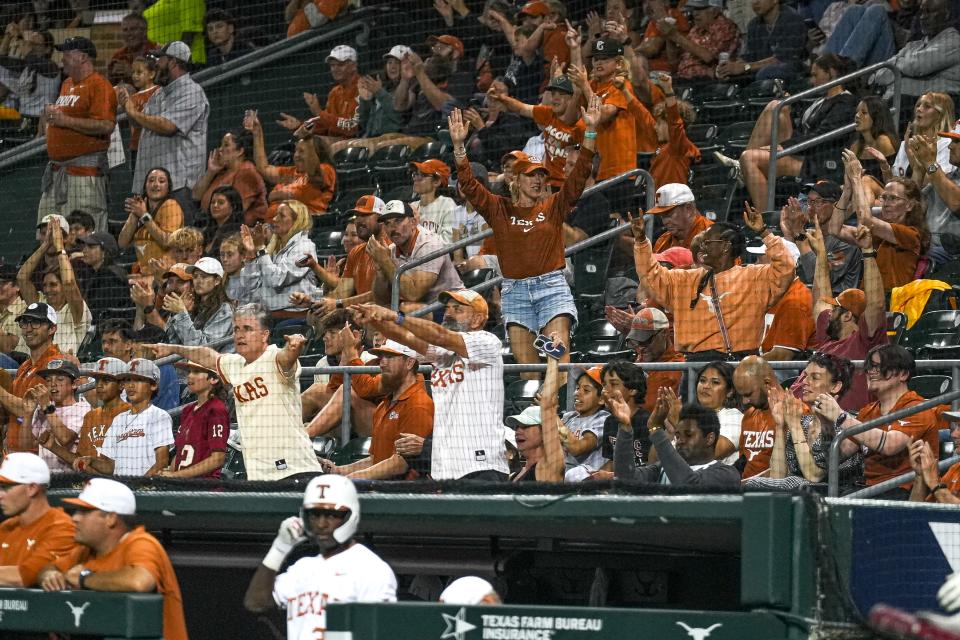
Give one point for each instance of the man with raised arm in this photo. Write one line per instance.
(265, 381)
(467, 383)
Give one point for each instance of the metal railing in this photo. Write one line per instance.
(833, 461)
(219, 74)
(640, 174)
(775, 154)
(892, 483)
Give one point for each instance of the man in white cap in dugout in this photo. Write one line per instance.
(114, 554)
(34, 534)
(342, 570)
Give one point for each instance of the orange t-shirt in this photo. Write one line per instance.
(667, 240)
(898, 262)
(553, 45)
(300, 187)
(169, 217)
(139, 549)
(952, 479)
(657, 379)
(920, 426)
(790, 321)
(672, 160)
(92, 98)
(662, 62)
(617, 139)
(32, 547)
(557, 138)
(140, 99)
(249, 184)
(329, 8)
(756, 440)
(412, 412)
(645, 126)
(25, 380)
(95, 426)
(341, 117)
(361, 268)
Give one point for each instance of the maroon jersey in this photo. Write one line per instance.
(202, 431)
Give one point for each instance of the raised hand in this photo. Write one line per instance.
(572, 37)
(925, 149)
(251, 122)
(591, 115)
(815, 238)
(289, 122)
(474, 118)
(637, 226)
(827, 406)
(214, 162)
(174, 303)
(851, 164)
(578, 76)
(753, 218)
(246, 240)
(295, 342)
(864, 238)
(313, 102)
(457, 127)
(617, 406)
(792, 218)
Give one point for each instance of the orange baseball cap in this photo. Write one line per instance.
(434, 167)
(467, 297)
(179, 270)
(535, 8)
(367, 205)
(527, 167)
(595, 374)
(452, 41)
(853, 300)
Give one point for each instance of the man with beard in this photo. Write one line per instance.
(853, 322)
(174, 126)
(356, 283)
(467, 383)
(423, 283)
(757, 430)
(406, 409)
(78, 128)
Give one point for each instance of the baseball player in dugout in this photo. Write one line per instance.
(265, 383)
(114, 554)
(33, 534)
(340, 570)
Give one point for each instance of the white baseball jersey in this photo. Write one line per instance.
(133, 437)
(72, 418)
(468, 408)
(304, 589)
(269, 416)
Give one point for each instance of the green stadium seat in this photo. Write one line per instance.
(930, 386)
(428, 151)
(520, 394)
(328, 242)
(930, 323)
(896, 326)
(351, 156)
(355, 450)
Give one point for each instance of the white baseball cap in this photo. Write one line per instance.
(527, 418)
(58, 218)
(342, 53)
(468, 590)
(670, 195)
(792, 249)
(24, 468)
(177, 49)
(107, 495)
(392, 348)
(141, 369)
(109, 368)
(209, 266)
(398, 51)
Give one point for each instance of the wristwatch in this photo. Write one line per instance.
(933, 168)
(840, 419)
(84, 574)
(50, 409)
(150, 308)
(400, 317)
(747, 67)
(261, 253)
(145, 218)
(339, 303)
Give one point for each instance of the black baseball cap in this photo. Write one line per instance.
(826, 189)
(606, 48)
(563, 84)
(61, 367)
(101, 239)
(78, 43)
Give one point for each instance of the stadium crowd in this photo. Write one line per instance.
(240, 260)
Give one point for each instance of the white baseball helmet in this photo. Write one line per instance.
(331, 491)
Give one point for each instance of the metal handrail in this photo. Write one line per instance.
(439, 253)
(216, 75)
(813, 91)
(833, 464)
(910, 476)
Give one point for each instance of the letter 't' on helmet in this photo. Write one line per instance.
(334, 492)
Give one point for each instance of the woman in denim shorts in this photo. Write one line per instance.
(528, 233)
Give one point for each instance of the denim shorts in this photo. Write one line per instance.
(535, 301)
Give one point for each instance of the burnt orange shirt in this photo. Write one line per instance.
(529, 239)
(412, 412)
(558, 136)
(139, 549)
(898, 262)
(92, 98)
(554, 45)
(662, 61)
(756, 440)
(952, 479)
(316, 194)
(361, 268)
(673, 159)
(920, 426)
(657, 379)
(95, 426)
(329, 8)
(791, 320)
(25, 380)
(249, 184)
(140, 99)
(667, 240)
(32, 547)
(341, 117)
(645, 126)
(617, 139)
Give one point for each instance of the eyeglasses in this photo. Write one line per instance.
(31, 324)
(887, 197)
(714, 240)
(871, 366)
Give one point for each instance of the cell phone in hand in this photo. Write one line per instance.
(552, 349)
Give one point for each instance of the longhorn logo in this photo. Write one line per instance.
(699, 634)
(77, 612)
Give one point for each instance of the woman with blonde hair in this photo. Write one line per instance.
(933, 113)
(279, 251)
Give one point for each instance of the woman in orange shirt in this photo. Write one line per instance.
(230, 165)
(151, 218)
(311, 180)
